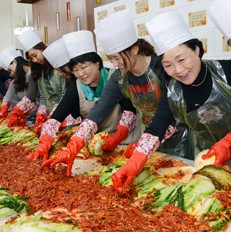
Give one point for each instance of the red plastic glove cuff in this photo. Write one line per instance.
(112, 140)
(125, 175)
(40, 118)
(221, 149)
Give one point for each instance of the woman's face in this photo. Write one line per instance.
(12, 67)
(182, 64)
(117, 61)
(87, 72)
(67, 74)
(36, 56)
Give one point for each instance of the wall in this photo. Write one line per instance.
(13, 15)
(193, 12)
(6, 37)
(46, 13)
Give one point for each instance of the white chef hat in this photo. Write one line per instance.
(220, 13)
(168, 30)
(56, 53)
(79, 43)
(116, 32)
(7, 55)
(28, 39)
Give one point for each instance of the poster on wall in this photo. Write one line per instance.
(197, 18)
(225, 46)
(142, 6)
(102, 14)
(166, 3)
(120, 7)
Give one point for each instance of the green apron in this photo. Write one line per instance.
(51, 88)
(145, 103)
(209, 123)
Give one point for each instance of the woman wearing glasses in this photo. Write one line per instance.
(82, 94)
(135, 79)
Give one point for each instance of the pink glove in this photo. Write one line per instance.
(146, 145)
(67, 156)
(125, 175)
(69, 121)
(221, 150)
(126, 125)
(45, 143)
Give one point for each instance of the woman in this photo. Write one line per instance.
(5, 79)
(20, 88)
(91, 78)
(198, 95)
(51, 84)
(57, 56)
(135, 80)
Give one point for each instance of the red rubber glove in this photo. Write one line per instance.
(16, 117)
(130, 148)
(45, 143)
(221, 150)
(125, 175)
(112, 140)
(40, 119)
(4, 111)
(66, 156)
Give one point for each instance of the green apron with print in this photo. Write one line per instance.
(211, 121)
(145, 103)
(51, 88)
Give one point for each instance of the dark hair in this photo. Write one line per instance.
(193, 44)
(66, 68)
(20, 75)
(37, 69)
(91, 56)
(145, 49)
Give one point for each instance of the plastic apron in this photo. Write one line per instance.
(211, 121)
(51, 88)
(145, 103)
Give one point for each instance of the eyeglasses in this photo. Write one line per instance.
(82, 69)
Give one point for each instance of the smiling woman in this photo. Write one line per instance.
(83, 68)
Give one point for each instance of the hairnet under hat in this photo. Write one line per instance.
(116, 32)
(79, 43)
(7, 55)
(56, 53)
(28, 39)
(220, 13)
(168, 30)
